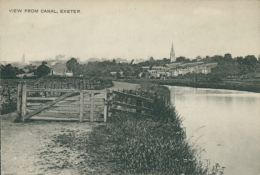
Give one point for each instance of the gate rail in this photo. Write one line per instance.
(25, 113)
(130, 103)
(74, 102)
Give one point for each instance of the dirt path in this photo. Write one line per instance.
(29, 149)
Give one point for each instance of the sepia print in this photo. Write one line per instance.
(164, 87)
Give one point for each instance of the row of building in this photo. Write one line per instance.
(175, 69)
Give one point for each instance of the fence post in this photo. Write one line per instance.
(80, 85)
(105, 107)
(138, 103)
(45, 88)
(92, 107)
(24, 94)
(19, 102)
(81, 107)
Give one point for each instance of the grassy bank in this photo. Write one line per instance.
(137, 145)
(133, 144)
(212, 85)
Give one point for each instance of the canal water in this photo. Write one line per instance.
(224, 125)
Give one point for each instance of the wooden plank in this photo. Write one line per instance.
(57, 108)
(47, 105)
(132, 106)
(92, 107)
(133, 96)
(56, 111)
(19, 100)
(120, 110)
(94, 91)
(57, 115)
(24, 94)
(68, 103)
(81, 107)
(96, 102)
(52, 98)
(99, 99)
(56, 105)
(62, 112)
(42, 98)
(52, 90)
(58, 119)
(105, 108)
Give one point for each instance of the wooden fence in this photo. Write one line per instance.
(130, 103)
(61, 104)
(77, 105)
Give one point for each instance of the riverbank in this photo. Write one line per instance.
(180, 82)
(128, 144)
(134, 144)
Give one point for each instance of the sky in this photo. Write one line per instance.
(129, 29)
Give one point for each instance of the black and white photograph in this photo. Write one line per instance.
(140, 87)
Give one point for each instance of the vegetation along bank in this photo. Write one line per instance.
(134, 144)
(203, 83)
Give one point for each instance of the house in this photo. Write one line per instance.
(123, 61)
(145, 67)
(59, 69)
(114, 73)
(136, 61)
(26, 75)
(69, 74)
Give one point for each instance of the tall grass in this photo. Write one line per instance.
(138, 145)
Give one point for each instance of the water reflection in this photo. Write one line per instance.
(229, 122)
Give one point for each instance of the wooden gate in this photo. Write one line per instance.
(130, 103)
(61, 104)
(77, 105)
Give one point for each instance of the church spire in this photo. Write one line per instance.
(172, 55)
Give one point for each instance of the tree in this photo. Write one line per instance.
(166, 61)
(198, 58)
(43, 70)
(18, 71)
(180, 59)
(228, 57)
(114, 62)
(31, 68)
(8, 71)
(239, 60)
(72, 65)
(118, 75)
(250, 60)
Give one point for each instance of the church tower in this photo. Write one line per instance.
(172, 55)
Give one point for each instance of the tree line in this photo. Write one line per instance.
(10, 72)
(227, 65)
